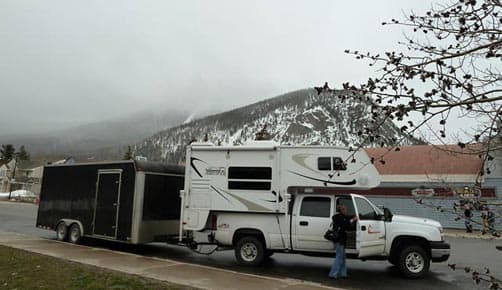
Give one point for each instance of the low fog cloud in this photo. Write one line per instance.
(69, 62)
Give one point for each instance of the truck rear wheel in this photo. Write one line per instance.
(75, 234)
(250, 251)
(413, 261)
(61, 232)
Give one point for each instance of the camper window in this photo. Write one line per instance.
(250, 173)
(252, 185)
(324, 163)
(316, 207)
(250, 178)
(338, 164)
(331, 163)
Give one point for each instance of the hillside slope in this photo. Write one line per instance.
(300, 117)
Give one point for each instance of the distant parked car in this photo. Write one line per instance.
(23, 195)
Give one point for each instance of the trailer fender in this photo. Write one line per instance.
(69, 222)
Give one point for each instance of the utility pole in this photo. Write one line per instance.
(13, 174)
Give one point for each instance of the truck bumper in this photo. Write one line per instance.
(440, 251)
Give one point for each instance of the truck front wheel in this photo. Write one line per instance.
(250, 251)
(413, 261)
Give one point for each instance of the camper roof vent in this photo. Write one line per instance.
(265, 143)
(202, 144)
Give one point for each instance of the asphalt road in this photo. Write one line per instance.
(18, 217)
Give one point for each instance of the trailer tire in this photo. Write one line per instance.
(250, 251)
(413, 261)
(61, 232)
(75, 235)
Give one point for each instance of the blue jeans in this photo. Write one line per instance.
(339, 268)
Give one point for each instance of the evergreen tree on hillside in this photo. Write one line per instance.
(7, 152)
(128, 154)
(263, 134)
(23, 154)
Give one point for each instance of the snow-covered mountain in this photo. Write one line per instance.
(300, 117)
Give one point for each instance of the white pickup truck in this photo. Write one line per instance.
(265, 198)
(409, 243)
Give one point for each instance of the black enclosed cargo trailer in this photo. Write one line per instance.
(129, 201)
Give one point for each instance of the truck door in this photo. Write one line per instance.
(107, 203)
(347, 201)
(370, 234)
(311, 220)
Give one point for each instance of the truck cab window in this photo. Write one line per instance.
(347, 202)
(316, 207)
(366, 211)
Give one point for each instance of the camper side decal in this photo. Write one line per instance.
(326, 182)
(247, 203)
(192, 159)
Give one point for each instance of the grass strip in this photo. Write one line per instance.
(25, 270)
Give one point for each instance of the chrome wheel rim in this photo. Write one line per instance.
(249, 252)
(61, 231)
(75, 234)
(415, 262)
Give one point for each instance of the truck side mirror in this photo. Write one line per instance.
(387, 214)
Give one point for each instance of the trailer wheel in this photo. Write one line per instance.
(413, 261)
(61, 232)
(250, 251)
(75, 234)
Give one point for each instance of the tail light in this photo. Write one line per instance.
(213, 222)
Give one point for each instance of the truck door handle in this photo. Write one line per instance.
(304, 223)
(363, 228)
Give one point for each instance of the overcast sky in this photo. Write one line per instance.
(65, 62)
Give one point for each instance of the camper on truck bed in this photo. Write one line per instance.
(263, 198)
(127, 201)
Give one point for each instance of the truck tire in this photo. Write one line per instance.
(75, 235)
(61, 232)
(413, 261)
(249, 251)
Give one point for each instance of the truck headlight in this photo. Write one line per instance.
(441, 233)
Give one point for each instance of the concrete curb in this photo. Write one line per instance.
(175, 272)
(475, 235)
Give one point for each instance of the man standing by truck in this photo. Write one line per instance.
(341, 224)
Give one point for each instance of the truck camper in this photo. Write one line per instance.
(263, 198)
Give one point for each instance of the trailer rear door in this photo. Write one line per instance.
(107, 203)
